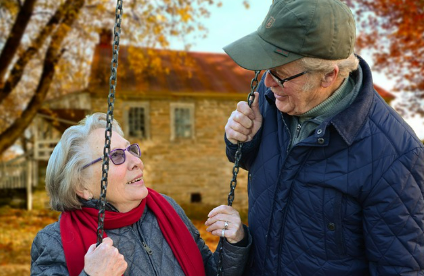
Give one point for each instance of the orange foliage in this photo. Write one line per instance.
(18, 229)
(70, 28)
(394, 30)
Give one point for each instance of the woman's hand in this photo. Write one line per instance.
(224, 221)
(104, 260)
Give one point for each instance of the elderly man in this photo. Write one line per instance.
(336, 177)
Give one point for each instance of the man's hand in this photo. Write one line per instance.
(244, 122)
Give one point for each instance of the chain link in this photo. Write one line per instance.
(236, 168)
(109, 120)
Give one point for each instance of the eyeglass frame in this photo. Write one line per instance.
(282, 81)
(126, 149)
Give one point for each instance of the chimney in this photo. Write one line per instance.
(105, 38)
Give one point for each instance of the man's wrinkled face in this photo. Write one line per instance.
(297, 96)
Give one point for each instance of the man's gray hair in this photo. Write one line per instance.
(326, 66)
(64, 175)
(322, 66)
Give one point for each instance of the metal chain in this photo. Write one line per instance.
(233, 183)
(109, 120)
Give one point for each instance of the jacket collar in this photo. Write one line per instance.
(359, 109)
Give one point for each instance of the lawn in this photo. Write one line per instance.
(18, 228)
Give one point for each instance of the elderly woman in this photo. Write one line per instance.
(147, 233)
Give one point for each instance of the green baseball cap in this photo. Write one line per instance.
(294, 29)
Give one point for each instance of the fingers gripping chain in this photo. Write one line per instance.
(253, 85)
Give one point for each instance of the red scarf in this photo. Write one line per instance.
(79, 230)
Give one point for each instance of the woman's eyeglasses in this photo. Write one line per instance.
(117, 156)
(282, 81)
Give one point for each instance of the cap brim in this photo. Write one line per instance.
(253, 53)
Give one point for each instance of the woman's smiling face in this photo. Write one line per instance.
(126, 187)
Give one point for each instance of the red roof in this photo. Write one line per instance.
(383, 93)
(202, 74)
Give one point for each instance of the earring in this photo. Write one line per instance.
(90, 197)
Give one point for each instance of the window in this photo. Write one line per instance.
(196, 198)
(136, 118)
(136, 122)
(182, 120)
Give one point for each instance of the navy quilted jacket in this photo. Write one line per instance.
(347, 200)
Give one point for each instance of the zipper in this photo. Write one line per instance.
(299, 126)
(285, 212)
(280, 248)
(288, 150)
(288, 131)
(147, 248)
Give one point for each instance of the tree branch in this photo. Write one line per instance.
(15, 36)
(18, 69)
(53, 53)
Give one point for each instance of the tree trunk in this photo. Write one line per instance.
(53, 54)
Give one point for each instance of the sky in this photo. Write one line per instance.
(232, 21)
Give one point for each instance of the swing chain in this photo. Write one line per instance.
(109, 120)
(250, 99)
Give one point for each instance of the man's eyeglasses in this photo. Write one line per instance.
(282, 81)
(117, 156)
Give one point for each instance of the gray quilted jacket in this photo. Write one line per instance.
(47, 256)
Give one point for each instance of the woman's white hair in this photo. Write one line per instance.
(321, 67)
(64, 175)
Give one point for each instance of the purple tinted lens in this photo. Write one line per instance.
(117, 156)
(135, 150)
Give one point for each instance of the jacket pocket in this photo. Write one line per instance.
(333, 212)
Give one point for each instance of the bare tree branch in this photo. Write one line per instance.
(53, 53)
(19, 3)
(18, 69)
(15, 36)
